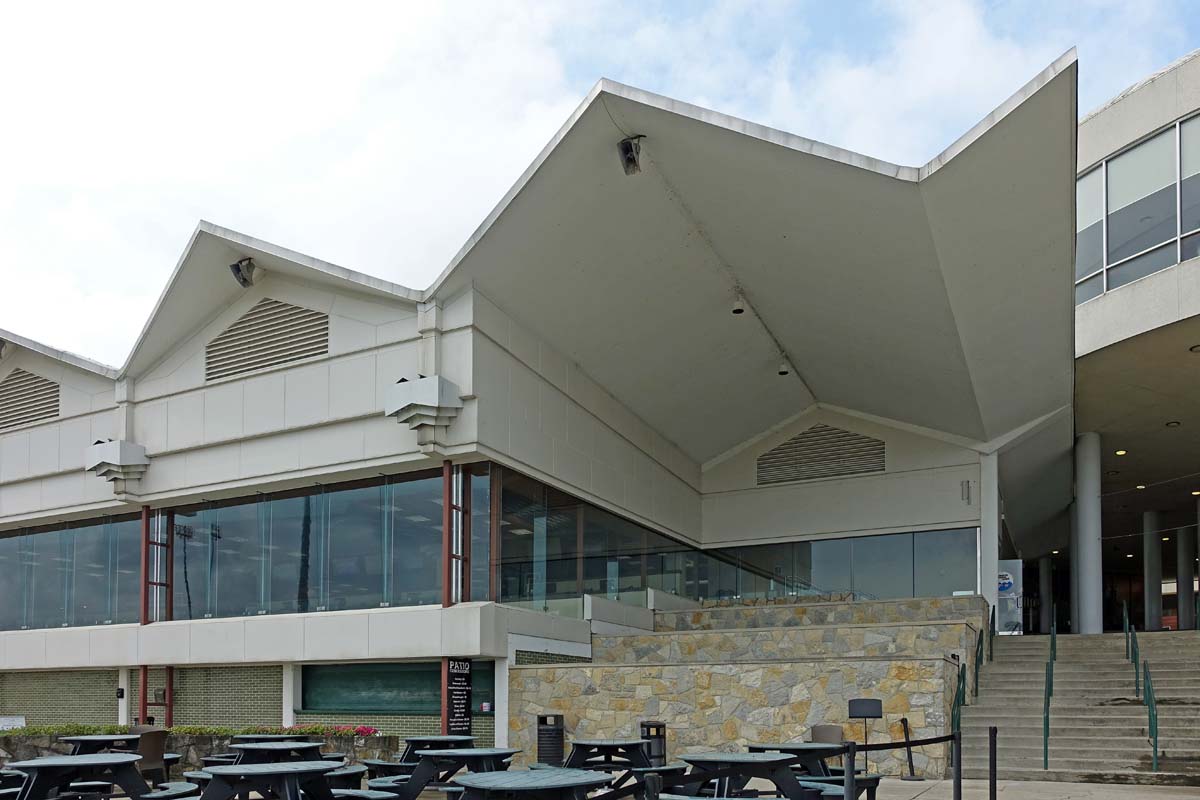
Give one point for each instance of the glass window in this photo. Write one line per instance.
(1086, 290)
(352, 559)
(48, 574)
(127, 569)
(11, 594)
(1089, 224)
(1141, 197)
(416, 542)
(481, 532)
(827, 564)
(1140, 267)
(291, 541)
(944, 562)
(194, 560)
(1189, 156)
(1189, 247)
(414, 688)
(238, 544)
(883, 565)
(93, 592)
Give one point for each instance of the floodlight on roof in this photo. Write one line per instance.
(630, 150)
(243, 272)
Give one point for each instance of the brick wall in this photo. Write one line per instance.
(526, 658)
(224, 696)
(86, 697)
(482, 728)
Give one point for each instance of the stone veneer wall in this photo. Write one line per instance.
(726, 706)
(796, 612)
(56, 697)
(218, 696)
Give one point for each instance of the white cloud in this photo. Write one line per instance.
(379, 135)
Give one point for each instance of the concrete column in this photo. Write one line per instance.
(1087, 513)
(1074, 561)
(123, 698)
(1152, 569)
(500, 671)
(288, 701)
(1185, 574)
(989, 527)
(1045, 594)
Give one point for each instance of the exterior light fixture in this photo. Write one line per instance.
(1166, 538)
(1141, 486)
(739, 305)
(1129, 555)
(630, 151)
(243, 272)
(784, 368)
(1195, 494)
(1121, 452)
(1053, 552)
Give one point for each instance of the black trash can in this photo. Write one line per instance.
(655, 733)
(550, 739)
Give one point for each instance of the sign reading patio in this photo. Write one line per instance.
(458, 697)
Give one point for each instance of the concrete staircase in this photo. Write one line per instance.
(1098, 728)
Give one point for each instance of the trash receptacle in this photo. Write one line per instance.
(550, 739)
(655, 733)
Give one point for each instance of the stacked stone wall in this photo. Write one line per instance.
(796, 613)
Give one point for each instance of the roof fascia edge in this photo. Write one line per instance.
(64, 356)
(1059, 65)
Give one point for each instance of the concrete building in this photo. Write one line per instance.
(687, 358)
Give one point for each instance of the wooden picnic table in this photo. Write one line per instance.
(531, 784)
(98, 742)
(45, 775)
(285, 780)
(276, 751)
(773, 767)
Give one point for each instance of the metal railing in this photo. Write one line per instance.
(1151, 712)
(1048, 693)
(960, 699)
(1125, 626)
(992, 635)
(1135, 656)
(978, 660)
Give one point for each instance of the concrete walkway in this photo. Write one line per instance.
(1031, 790)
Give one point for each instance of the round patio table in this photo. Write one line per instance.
(532, 784)
(271, 737)
(276, 751)
(435, 768)
(608, 754)
(773, 767)
(45, 775)
(95, 743)
(432, 742)
(286, 780)
(812, 754)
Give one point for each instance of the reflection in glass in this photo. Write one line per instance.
(1140, 267)
(481, 532)
(350, 571)
(47, 560)
(944, 562)
(1089, 224)
(12, 607)
(1189, 157)
(416, 542)
(1086, 290)
(883, 565)
(1189, 247)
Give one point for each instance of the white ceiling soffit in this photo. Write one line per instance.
(937, 296)
(201, 286)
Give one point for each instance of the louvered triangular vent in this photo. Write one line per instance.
(25, 398)
(271, 333)
(820, 452)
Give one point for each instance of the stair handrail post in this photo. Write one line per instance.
(1125, 625)
(1151, 701)
(1135, 652)
(992, 734)
(978, 660)
(1047, 693)
(1053, 640)
(992, 635)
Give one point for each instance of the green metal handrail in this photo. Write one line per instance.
(1135, 653)
(978, 660)
(960, 699)
(1125, 625)
(1046, 695)
(1152, 712)
(992, 635)
(1053, 639)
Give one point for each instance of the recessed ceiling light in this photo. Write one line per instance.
(1129, 555)
(1166, 538)
(1174, 423)
(1122, 452)
(1195, 348)
(1141, 486)
(1195, 494)
(1112, 472)
(1053, 552)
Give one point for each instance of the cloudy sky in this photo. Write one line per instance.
(378, 136)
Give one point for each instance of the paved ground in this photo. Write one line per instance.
(1032, 790)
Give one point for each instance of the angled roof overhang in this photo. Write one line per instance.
(936, 297)
(202, 286)
(79, 362)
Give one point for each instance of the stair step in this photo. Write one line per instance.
(1123, 777)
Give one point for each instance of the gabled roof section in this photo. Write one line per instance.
(202, 285)
(71, 359)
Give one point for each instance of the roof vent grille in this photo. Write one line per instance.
(820, 452)
(267, 335)
(26, 398)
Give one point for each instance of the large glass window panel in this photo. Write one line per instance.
(416, 542)
(613, 549)
(1140, 267)
(1141, 197)
(1189, 247)
(291, 553)
(48, 559)
(93, 594)
(353, 560)
(127, 569)
(882, 566)
(1189, 157)
(11, 592)
(1089, 223)
(236, 559)
(825, 565)
(944, 562)
(481, 532)
(1086, 290)
(195, 559)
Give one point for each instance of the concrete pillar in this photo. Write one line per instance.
(500, 693)
(1185, 574)
(1152, 569)
(1045, 594)
(989, 527)
(288, 700)
(123, 696)
(1073, 552)
(1087, 513)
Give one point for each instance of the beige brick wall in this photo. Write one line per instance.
(219, 696)
(57, 697)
